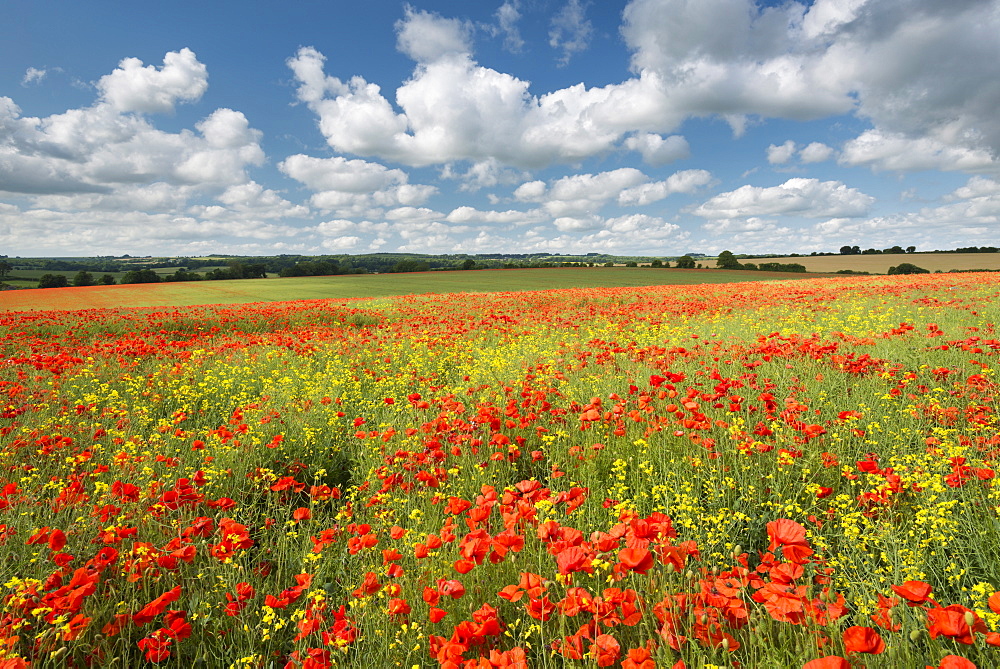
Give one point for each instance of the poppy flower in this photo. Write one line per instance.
(638, 658)
(156, 607)
(914, 592)
(863, 640)
(606, 650)
(954, 662)
(828, 662)
(639, 560)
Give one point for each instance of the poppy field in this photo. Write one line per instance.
(760, 475)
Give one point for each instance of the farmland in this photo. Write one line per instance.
(880, 263)
(362, 285)
(770, 475)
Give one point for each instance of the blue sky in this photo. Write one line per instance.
(654, 127)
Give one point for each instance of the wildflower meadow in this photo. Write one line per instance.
(760, 475)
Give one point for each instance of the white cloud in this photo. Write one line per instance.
(135, 88)
(810, 198)
(896, 152)
(33, 75)
(507, 17)
(483, 174)
(341, 244)
(426, 37)
(252, 198)
(354, 187)
(455, 110)
(467, 214)
(531, 191)
(687, 181)
(579, 194)
(976, 187)
(914, 67)
(340, 174)
(570, 30)
(657, 150)
(917, 71)
(816, 152)
(780, 154)
(98, 149)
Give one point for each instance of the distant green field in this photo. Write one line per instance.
(365, 285)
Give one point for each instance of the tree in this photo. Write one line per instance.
(107, 280)
(469, 264)
(52, 281)
(140, 276)
(908, 268)
(83, 278)
(911, 249)
(727, 260)
(656, 263)
(4, 269)
(610, 263)
(846, 250)
(894, 249)
(685, 262)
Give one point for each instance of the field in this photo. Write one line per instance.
(767, 475)
(880, 264)
(362, 285)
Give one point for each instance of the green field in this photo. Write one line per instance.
(365, 285)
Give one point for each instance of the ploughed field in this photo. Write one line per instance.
(776, 474)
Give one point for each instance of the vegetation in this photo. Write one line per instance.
(907, 268)
(799, 474)
(355, 286)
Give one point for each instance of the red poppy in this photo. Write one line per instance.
(828, 662)
(954, 662)
(606, 650)
(156, 607)
(863, 640)
(398, 607)
(914, 592)
(638, 658)
(639, 560)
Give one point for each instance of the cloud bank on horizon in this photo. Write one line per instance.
(757, 127)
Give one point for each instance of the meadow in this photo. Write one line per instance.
(363, 285)
(767, 475)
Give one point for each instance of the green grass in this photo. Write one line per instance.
(366, 285)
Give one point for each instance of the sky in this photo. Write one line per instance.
(648, 127)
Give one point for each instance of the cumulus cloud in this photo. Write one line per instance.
(570, 30)
(816, 152)
(467, 214)
(483, 174)
(426, 37)
(657, 150)
(134, 87)
(781, 153)
(354, 187)
(104, 178)
(455, 110)
(97, 149)
(897, 152)
(687, 181)
(809, 198)
(913, 69)
(579, 194)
